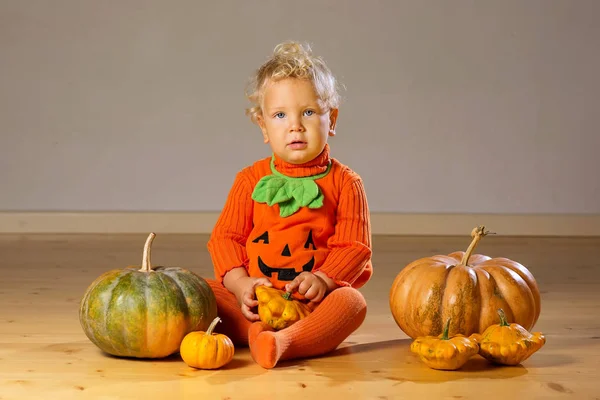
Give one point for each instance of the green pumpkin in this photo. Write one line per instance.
(146, 313)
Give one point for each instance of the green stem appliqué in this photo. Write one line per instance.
(290, 193)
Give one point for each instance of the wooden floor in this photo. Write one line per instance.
(44, 353)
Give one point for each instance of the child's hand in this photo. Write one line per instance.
(309, 285)
(246, 296)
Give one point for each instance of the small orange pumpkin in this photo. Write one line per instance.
(444, 352)
(508, 344)
(207, 350)
(278, 309)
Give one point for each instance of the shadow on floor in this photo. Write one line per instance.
(391, 360)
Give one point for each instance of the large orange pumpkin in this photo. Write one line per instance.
(465, 287)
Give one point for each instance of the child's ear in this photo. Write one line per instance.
(261, 123)
(333, 114)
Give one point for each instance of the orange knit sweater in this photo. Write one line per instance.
(334, 238)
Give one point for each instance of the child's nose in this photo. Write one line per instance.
(296, 125)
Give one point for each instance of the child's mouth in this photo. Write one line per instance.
(297, 145)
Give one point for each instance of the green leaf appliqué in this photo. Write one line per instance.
(317, 202)
(268, 188)
(305, 191)
(288, 208)
(290, 193)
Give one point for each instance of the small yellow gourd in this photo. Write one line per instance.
(278, 309)
(508, 344)
(206, 350)
(444, 352)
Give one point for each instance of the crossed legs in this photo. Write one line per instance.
(338, 315)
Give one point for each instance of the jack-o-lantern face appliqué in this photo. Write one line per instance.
(290, 273)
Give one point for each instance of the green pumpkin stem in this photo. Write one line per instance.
(212, 325)
(503, 321)
(446, 330)
(477, 233)
(287, 295)
(146, 264)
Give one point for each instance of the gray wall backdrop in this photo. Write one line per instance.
(450, 106)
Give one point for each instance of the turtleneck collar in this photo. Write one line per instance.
(314, 167)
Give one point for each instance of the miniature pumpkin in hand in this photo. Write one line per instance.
(466, 287)
(444, 352)
(145, 312)
(508, 344)
(207, 350)
(277, 309)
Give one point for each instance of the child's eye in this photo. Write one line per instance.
(308, 113)
(279, 115)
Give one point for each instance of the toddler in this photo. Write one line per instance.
(297, 220)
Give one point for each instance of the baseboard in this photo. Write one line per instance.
(382, 223)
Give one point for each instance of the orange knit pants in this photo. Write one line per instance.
(333, 320)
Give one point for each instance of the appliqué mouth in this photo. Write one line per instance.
(285, 274)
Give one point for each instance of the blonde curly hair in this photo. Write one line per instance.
(291, 59)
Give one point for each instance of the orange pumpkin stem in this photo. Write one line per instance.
(446, 330)
(146, 264)
(477, 233)
(503, 321)
(212, 325)
(287, 295)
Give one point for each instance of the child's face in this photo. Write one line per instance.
(293, 122)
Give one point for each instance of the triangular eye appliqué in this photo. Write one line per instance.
(310, 241)
(264, 237)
